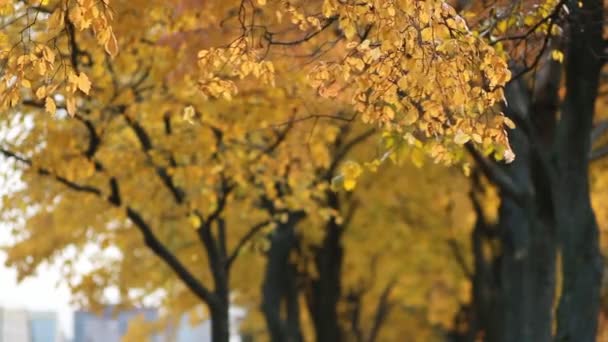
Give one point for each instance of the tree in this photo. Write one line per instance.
(189, 125)
(545, 199)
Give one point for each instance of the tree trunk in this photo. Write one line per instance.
(326, 288)
(578, 232)
(522, 310)
(485, 318)
(220, 331)
(278, 286)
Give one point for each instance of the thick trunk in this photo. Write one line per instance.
(220, 331)
(279, 285)
(292, 304)
(522, 310)
(326, 288)
(578, 233)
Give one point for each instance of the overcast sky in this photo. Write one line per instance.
(39, 292)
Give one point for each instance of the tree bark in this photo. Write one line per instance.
(277, 288)
(578, 232)
(526, 275)
(220, 321)
(326, 287)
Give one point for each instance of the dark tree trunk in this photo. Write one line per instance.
(485, 320)
(220, 331)
(552, 162)
(326, 287)
(279, 284)
(520, 308)
(578, 233)
(220, 311)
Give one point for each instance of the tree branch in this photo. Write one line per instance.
(497, 176)
(45, 172)
(382, 310)
(146, 146)
(343, 151)
(457, 252)
(162, 252)
(250, 234)
(150, 239)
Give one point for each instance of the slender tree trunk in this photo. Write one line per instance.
(486, 290)
(578, 233)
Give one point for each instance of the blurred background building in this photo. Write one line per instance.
(28, 326)
(18, 325)
(110, 326)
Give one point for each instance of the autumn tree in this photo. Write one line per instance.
(545, 208)
(162, 124)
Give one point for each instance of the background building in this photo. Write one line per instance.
(28, 326)
(14, 326)
(44, 327)
(110, 326)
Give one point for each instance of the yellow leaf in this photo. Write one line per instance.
(509, 123)
(557, 55)
(41, 92)
(388, 112)
(502, 26)
(50, 105)
(348, 27)
(351, 171)
(71, 105)
(349, 184)
(189, 114)
(83, 83)
(111, 45)
(329, 8)
(461, 138)
(195, 221)
(55, 21)
(509, 156)
(417, 157)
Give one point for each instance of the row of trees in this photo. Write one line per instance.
(227, 178)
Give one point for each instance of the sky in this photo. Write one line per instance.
(41, 291)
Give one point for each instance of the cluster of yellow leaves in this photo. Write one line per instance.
(349, 173)
(219, 67)
(225, 136)
(410, 68)
(419, 72)
(525, 15)
(35, 46)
